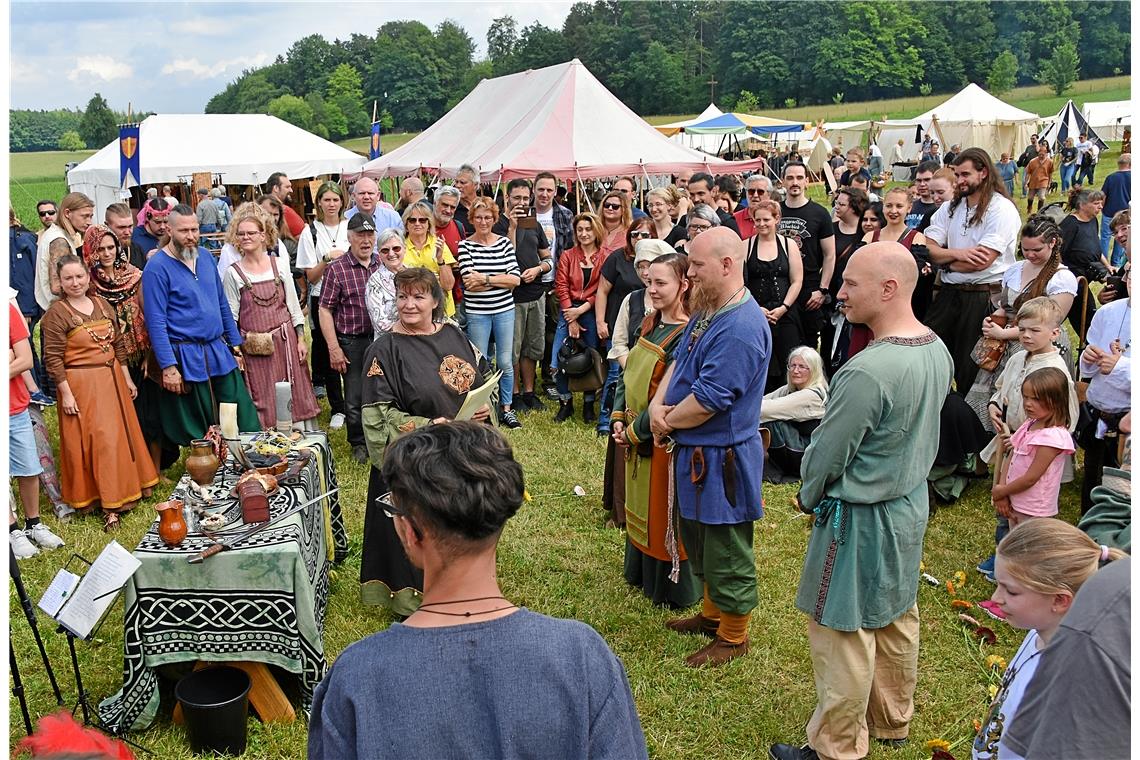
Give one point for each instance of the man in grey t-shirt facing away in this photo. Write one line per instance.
(469, 674)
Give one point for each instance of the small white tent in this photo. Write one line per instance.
(972, 118)
(1110, 118)
(243, 148)
(704, 143)
(1069, 122)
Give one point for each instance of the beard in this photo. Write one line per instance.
(186, 253)
(703, 299)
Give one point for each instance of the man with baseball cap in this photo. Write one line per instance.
(345, 322)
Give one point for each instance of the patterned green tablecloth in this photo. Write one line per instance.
(263, 601)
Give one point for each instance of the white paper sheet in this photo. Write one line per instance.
(97, 590)
(477, 397)
(60, 590)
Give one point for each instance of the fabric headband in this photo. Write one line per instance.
(151, 213)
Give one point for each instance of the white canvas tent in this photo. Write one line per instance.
(1110, 118)
(243, 148)
(559, 119)
(704, 143)
(972, 118)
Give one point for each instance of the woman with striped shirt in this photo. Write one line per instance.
(490, 272)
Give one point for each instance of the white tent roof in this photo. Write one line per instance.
(1111, 116)
(559, 119)
(1069, 122)
(710, 112)
(975, 105)
(244, 148)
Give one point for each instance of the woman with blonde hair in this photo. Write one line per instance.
(789, 415)
(616, 217)
(231, 251)
(423, 248)
(661, 202)
(267, 311)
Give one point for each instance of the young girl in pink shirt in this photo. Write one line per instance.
(1031, 478)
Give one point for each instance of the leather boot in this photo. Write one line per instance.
(717, 653)
(693, 626)
(565, 410)
(588, 415)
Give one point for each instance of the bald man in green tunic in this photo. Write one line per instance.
(864, 482)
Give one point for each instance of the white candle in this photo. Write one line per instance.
(284, 396)
(227, 419)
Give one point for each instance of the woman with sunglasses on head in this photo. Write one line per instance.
(423, 248)
(416, 374)
(380, 291)
(267, 311)
(616, 218)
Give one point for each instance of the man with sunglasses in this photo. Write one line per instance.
(756, 188)
(154, 227)
(627, 187)
(46, 211)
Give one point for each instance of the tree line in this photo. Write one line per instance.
(666, 57)
(65, 129)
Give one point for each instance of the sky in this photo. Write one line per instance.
(172, 57)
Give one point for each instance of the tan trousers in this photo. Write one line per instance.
(864, 684)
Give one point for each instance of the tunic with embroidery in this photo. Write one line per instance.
(865, 475)
(725, 369)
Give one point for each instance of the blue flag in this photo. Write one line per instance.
(129, 153)
(374, 147)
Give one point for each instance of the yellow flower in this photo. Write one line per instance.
(977, 725)
(992, 690)
(922, 567)
(959, 578)
(950, 587)
(941, 744)
(994, 662)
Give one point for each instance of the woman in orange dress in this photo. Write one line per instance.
(103, 456)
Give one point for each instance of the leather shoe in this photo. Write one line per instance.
(790, 752)
(717, 653)
(696, 625)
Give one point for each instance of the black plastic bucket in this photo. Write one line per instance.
(215, 703)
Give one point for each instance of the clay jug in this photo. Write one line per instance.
(202, 464)
(171, 526)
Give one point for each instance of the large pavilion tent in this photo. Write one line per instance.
(243, 149)
(704, 143)
(1069, 122)
(559, 119)
(730, 129)
(971, 118)
(1110, 118)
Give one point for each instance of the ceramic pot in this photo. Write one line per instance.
(171, 525)
(202, 464)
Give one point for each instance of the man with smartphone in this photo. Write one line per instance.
(557, 223)
(532, 250)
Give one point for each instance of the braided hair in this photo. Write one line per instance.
(1041, 226)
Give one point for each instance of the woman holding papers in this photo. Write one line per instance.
(417, 374)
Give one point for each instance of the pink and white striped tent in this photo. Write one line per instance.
(559, 119)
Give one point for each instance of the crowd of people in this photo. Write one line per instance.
(734, 331)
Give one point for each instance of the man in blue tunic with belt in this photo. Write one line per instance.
(707, 411)
(192, 331)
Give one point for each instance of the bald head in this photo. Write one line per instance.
(716, 267)
(413, 185)
(878, 282)
(893, 262)
(718, 243)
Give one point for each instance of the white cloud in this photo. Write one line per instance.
(203, 71)
(99, 67)
(195, 26)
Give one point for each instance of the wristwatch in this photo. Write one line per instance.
(825, 291)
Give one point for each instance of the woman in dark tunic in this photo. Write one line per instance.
(418, 374)
(773, 274)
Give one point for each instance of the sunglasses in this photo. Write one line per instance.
(418, 220)
(611, 206)
(392, 249)
(757, 191)
(48, 213)
(641, 234)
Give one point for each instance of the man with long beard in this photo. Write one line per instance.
(707, 412)
(973, 237)
(195, 340)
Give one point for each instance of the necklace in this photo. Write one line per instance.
(1116, 344)
(423, 607)
(703, 323)
(102, 340)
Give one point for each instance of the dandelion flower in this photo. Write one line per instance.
(941, 744)
(995, 662)
(959, 578)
